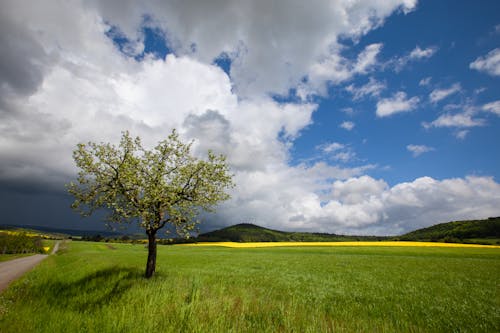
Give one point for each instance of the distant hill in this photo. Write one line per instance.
(473, 231)
(246, 232)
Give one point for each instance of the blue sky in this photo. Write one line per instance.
(384, 141)
(361, 117)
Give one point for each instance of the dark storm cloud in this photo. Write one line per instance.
(23, 60)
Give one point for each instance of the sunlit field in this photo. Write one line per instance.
(99, 287)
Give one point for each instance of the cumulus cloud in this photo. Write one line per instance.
(367, 58)
(418, 150)
(372, 88)
(73, 84)
(336, 69)
(330, 147)
(490, 63)
(493, 107)
(425, 81)
(290, 41)
(338, 152)
(364, 203)
(440, 94)
(416, 54)
(396, 104)
(347, 125)
(461, 134)
(461, 120)
(349, 111)
(468, 116)
(356, 190)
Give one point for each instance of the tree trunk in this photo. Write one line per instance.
(151, 264)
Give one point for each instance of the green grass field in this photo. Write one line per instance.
(7, 257)
(98, 287)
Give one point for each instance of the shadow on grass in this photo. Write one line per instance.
(92, 291)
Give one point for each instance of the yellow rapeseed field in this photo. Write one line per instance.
(17, 233)
(388, 243)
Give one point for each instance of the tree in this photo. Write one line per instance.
(164, 185)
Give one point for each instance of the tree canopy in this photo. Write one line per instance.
(164, 185)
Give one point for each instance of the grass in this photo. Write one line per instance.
(48, 245)
(91, 287)
(7, 257)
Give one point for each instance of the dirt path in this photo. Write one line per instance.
(14, 269)
(56, 247)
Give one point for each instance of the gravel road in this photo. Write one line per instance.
(14, 269)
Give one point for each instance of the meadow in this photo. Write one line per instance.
(99, 287)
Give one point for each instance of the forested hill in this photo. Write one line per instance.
(246, 232)
(474, 231)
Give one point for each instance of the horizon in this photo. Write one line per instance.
(126, 232)
(360, 118)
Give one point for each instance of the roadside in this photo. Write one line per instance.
(14, 269)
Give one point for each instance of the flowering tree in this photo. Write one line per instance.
(165, 185)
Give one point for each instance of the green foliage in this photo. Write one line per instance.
(246, 232)
(474, 231)
(165, 185)
(19, 242)
(92, 288)
(158, 186)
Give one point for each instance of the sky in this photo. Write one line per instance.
(351, 117)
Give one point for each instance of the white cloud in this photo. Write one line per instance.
(344, 156)
(362, 204)
(365, 204)
(372, 88)
(272, 52)
(462, 120)
(479, 90)
(440, 94)
(418, 150)
(425, 81)
(269, 53)
(337, 152)
(336, 69)
(347, 125)
(396, 104)
(348, 111)
(489, 63)
(416, 54)
(367, 59)
(461, 134)
(468, 117)
(493, 107)
(356, 190)
(330, 147)
(67, 94)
